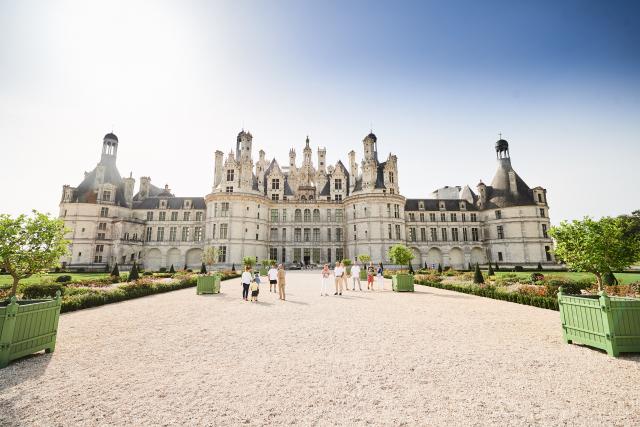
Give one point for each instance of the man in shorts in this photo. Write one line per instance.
(273, 278)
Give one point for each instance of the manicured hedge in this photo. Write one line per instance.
(490, 292)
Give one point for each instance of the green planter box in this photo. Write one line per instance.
(608, 323)
(363, 274)
(208, 284)
(28, 326)
(402, 282)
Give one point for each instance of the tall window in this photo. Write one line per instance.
(328, 234)
(275, 215)
(434, 234)
(412, 216)
(423, 234)
(328, 215)
(224, 209)
(275, 185)
(412, 234)
(223, 230)
(147, 236)
(422, 216)
(186, 216)
(316, 234)
(339, 215)
(162, 216)
(389, 230)
(197, 234)
(542, 212)
(185, 234)
(222, 254)
(474, 234)
(391, 177)
(160, 234)
(284, 234)
(106, 196)
(464, 217)
(102, 226)
(316, 215)
(465, 234)
(339, 253)
(172, 234)
(540, 201)
(498, 214)
(500, 232)
(544, 231)
(284, 215)
(307, 215)
(443, 231)
(150, 216)
(297, 234)
(307, 234)
(397, 232)
(389, 209)
(396, 211)
(500, 256)
(174, 215)
(454, 217)
(273, 253)
(547, 252)
(198, 216)
(213, 231)
(474, 217)
(432, 217)
(443, 217)
(230, 174)
(454, 234)
(297, 216)
(273, 235)
(338, 184)
(338, 234)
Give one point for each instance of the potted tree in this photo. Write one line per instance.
(364, 259)
(266, 263)
(599, 247)
(249, 261)
(401, 255)
(29, 245)
(209, 283)
(347, 266)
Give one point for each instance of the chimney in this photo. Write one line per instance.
(145, 186)
(482, 194)
(513, 185)
(129, 184)
(353, 169)
(217, 174)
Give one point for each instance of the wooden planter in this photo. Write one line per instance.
(363, 274)
(208, 284)
(402, 282)
(608, 323)
(28, 326)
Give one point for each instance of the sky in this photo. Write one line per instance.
(437, 81)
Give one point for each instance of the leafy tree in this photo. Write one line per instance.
(133, 274)
(30, 245)
(210, 256)
(116, 271)
(172, 270)
(364, 259)
(249, 261)
(400, 254)
(490, 272)
(440, 268)
(597, 247)
(477, 275)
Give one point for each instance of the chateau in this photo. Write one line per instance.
(305, 212)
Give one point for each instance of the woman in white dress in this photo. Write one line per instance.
(338, 272)
(325, 280)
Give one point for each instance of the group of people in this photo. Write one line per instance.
(252, 282)
(341, 276)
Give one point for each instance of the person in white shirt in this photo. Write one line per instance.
(273, 278)
(355, 276)
(246, 281)
(338, 272)
(325, 280)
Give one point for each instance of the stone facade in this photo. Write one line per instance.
(306, 213)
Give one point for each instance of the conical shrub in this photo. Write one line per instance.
(477, 275)
(115, 272)
(133, 274)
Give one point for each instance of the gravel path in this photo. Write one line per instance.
(430, 358)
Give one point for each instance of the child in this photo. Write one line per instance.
(255, 287)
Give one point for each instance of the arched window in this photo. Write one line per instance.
(298, 215)
(316, 215)
(307, 215)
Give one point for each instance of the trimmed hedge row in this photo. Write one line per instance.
(126, 292)
(490, 292)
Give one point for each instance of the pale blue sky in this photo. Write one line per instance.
(437, 80)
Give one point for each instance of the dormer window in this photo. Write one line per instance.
(106, 196)
(187, 204)
(163, 204)
(442, 205)
(230, 174)
(338, 184)
(421, 206)
(463, 205)
(275, 184)
(539, 197)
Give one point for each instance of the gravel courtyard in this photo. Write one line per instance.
(429, 358)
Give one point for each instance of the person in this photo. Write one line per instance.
(371, 271)
(255, 287)
(273, 278)
(246, 281)
(338, 273)
(355, 276)
(325, 280)
(281, 282)
(380, 277)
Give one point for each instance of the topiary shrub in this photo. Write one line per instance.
(172, 270)
(116, 271)
(477, 275)
(518, 268)
(42, 290)
(440, 268)
(203, 269)
(490, 272)
(63, 279)
(497, 267)
(163, 270)
(133, 274)
(539, 266)
(536, 277)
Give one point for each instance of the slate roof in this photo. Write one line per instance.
(499, 194)
(434, 205)
(326, 190)
(172, 203)
(87, 191)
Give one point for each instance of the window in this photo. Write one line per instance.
(101, 236)
(423, 234)
(412, 234)
(230, 174)
(339, 253)
(275, 215)
(297, 216)
(338, 234)
(388, 209)
(174, 215)
(197, 234)
(275, 197)
(316, 234)
(229, 190)
(328, 215)
(307, 234)
(443, 231)
(474, 234)
(464, 217)
(434, 234)
(498, 214)
(542, 212)
(224, 209)
(329, 255)
(186, 216)
(102, 226)
(97, 258)
(540, 199)
(328, 234)
(396, 211)
(474, 217)
(275, 185)
(389, 230)
(465, 234)
(307, 215)
(160, 234)
(338, 184)
(500, 256)
(432, 217)
(297, 234)
(391, 177)
(273, 253)
(544, 231)
(412, 216)
(106, 196)
(173, 232)
(162, 216)
(99, 248)
(223, 230)
(397, 232)
(500, 232)
(163, 205)
(421, 216)
(454, 217)
(273, 235)
(185, 234)
(454, 234)
(339, 215)
(284, 215)
(421, 206)
(222, 254)
(338, 197)
(284, 255)
(547, 252)
(284, 234)
(104, 212)
(148, 234)
(199, 216)
(443, 217)
(150, 216)
(316, 215)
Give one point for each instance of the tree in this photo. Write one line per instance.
(400, 254)
(115, 272)
(477, 275)
(133, 274)
(249, 261)
(30, 245)
(364, 259)
(172, 270)
(210, 256)
(597, 247)
(490, 272)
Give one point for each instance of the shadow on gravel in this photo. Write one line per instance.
(26, 368)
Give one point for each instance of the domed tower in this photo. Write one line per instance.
(502, 149)
(370, 147)
(109, 148)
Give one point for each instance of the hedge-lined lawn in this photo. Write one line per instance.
(6, 280)
(623, 278)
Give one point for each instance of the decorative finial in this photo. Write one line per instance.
(500, 135)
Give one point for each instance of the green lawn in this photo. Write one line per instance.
(623, 278)
(6, 280)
